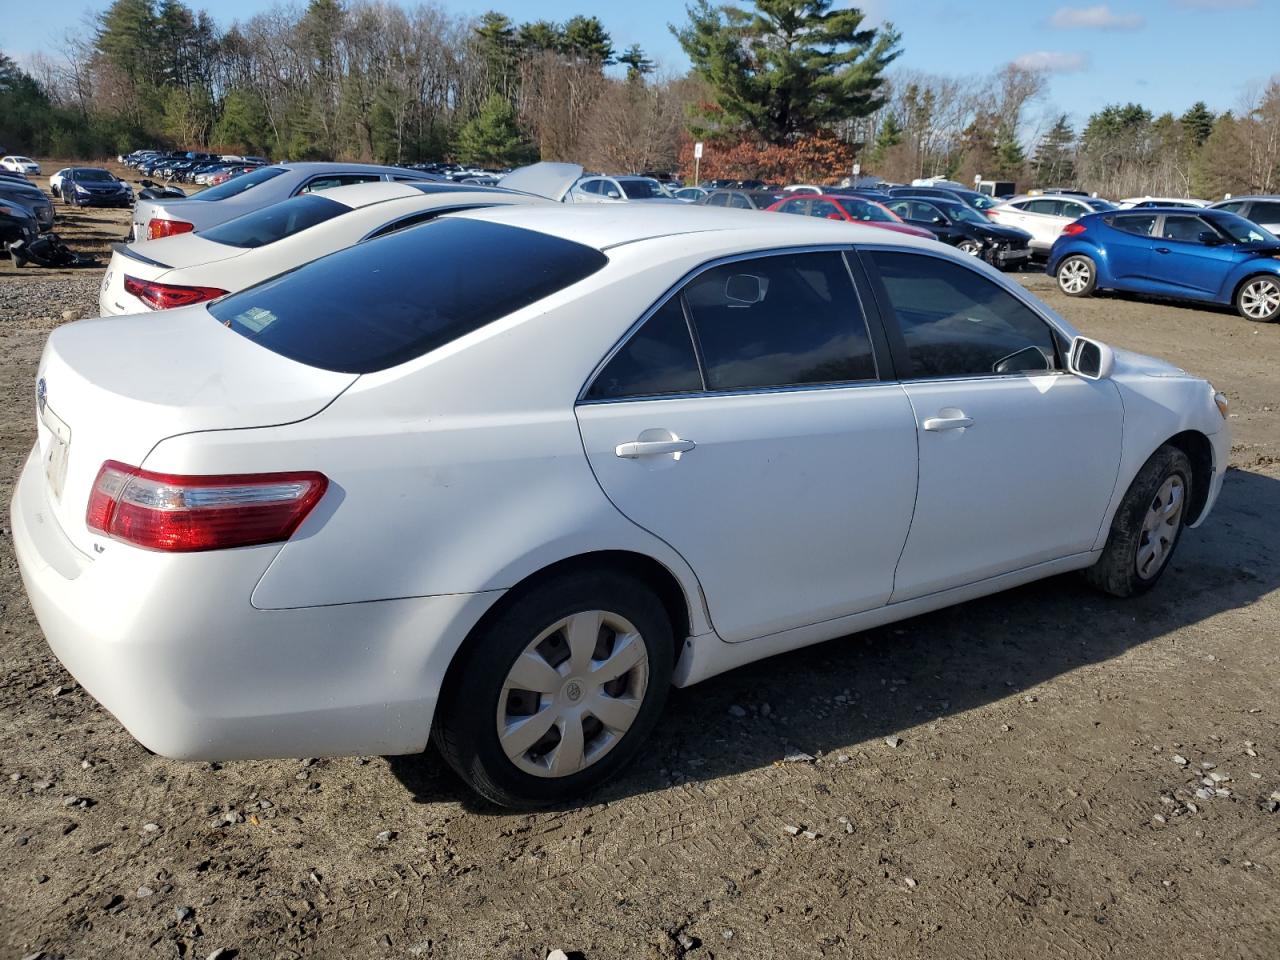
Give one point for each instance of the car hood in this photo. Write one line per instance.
(1268, 249)
(1001, 231)
(1130, 362)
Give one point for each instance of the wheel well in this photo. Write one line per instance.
(645, 569)
(1253, 276)
(1200, 452)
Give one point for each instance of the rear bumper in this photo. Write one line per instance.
(172, 647)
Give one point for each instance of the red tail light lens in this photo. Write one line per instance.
(184, 514)
(1072, 229)
(164, 296)
(158, 227)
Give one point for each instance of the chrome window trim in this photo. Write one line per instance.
(846, 250)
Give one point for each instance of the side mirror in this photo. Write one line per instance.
(614, 195)
(1091, 359)
(1209, 238)
(745, 289)
(940, 220)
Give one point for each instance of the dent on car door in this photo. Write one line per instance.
(744, 423)
(1018, 459)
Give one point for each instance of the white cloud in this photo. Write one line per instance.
(1099, 17)
(1215, 4)
(1052, 61)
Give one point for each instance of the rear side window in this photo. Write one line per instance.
(1142, 225)
(780, 321)
(373, 306)
(339, 180)
(1265, 211)
(238, 185)
(658, 359)
(275, 222)
(957, 323)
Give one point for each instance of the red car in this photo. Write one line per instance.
(851, 209)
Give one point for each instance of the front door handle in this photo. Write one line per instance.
(652, 448)
(951, 420)
(1162, 250)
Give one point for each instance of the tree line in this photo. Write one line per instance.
(783, 90)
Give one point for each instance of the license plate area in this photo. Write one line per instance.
(56, 452)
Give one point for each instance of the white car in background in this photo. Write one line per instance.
(23, 165)
(1045, 216)
(55, 181)
(598, 189)
(476, 480)
(1141, 203)
(194, 267)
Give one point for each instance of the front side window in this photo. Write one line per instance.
(957, 323)
(717, 200)
(866, 211)
(738, 201)
(275, 222)
(795, 206)
(238, 185)
(926, 212)
(779, 321)
(825, 209)
(1184, 229)
(373, 306)
(1265, 211)
(1048, 207)
(641, 189)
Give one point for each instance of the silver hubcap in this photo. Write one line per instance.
(573, 693)
(1160, 527)
(969, 247)
(1260, 299)
(1074, 276)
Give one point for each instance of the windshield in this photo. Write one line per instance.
(275, 222)
(959, 211)
(979, 201)
(1102, 206)
(640, 189)
(867, 211)
(92, 175)
(238, 185)
(373, 306)
(1241, 230)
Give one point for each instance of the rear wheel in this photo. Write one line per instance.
(1259, 299)
(559, 690)
(1077, 276)
(1147, 526)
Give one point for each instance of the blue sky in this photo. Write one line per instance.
(1161, 53)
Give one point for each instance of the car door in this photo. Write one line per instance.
(1129, 245)
(1191, 258)
(1018, 459)
(744, 423)
(1042, 218)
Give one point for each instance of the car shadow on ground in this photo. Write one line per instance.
(916, 671)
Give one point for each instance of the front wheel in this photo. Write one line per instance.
(1077, 276)
(971, 247)
(559, 691)
(1147, 526)
(1259, 299)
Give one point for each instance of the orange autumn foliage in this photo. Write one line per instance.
(818, 158)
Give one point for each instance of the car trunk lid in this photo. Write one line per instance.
(111, 389)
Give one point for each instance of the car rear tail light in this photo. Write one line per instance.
(158, 227)
(165, 296)
(1072, 229)
(184, 514)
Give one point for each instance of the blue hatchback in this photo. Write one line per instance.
(1204, 255)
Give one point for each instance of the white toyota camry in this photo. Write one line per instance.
(503, 478)
(190, 268)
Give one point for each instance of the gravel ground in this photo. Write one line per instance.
(1043, 773)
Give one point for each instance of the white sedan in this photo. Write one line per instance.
(55, 181)
(16, 164)
(1044, 217)
(193, 267)
(503, 478)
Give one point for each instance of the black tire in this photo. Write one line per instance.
(465, 728)
(1269, 281)
(1116, 571)
(1078, 260)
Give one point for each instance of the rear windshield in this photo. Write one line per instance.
(238, 185)
(275, 222)
(384, 302)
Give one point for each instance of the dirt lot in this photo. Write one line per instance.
(1033, 808)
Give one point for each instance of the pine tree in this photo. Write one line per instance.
(538, 36)
(1054, 161)
(1011, 159)
(587, 38)
(638, 65)
(495, 36)
(790, 66)
(1198, 122)
(492, 138)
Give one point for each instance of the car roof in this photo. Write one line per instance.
(1251, 196)
(359, 195)
(604, 226)
(329, 166)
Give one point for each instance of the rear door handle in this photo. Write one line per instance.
(956, 421)
(652, 448)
